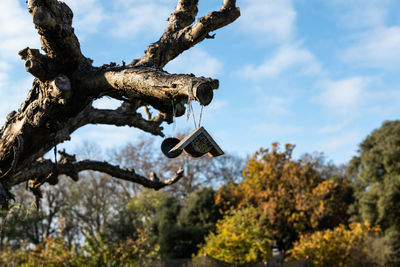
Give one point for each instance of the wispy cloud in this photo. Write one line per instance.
(196, 61)
(377, 48)
(373, 38)
(360, 13)
(17, 30)
(346, 139)
(273, 106)
(342, 97)
(142, 18)
(287, 57)
(88, 15)
(270, 20)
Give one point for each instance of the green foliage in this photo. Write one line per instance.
(239, 238)
(177, 229)
(50, 252)
(100, 252)
(358, 245)
(198, 216)
(376, 175)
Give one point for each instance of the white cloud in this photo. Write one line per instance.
(360, 13)
(377, 47)
(17, 30)
(271, 20)
(287, 57)
(342, 96)
(142, 18)
(196, 61)
(345, 139)
(88, 15)
(4, 65)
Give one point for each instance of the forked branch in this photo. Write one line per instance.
(181, 35)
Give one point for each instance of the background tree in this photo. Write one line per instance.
(292, 195)
(376, 174)
(240, 238)
(66, 83)
(358, 245)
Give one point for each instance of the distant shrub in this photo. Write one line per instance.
(356, 245)
(239, 238)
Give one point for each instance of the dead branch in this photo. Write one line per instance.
(40, 170)
(180, 35)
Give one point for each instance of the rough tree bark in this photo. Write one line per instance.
(66, 83)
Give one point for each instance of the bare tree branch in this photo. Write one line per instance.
(148, 83)
(45, 168)
(120, 118)
(53, 20)
(180, 35)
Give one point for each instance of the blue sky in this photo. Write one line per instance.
(318, 74)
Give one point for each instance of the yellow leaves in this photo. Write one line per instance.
(239, 238)
(341, 246)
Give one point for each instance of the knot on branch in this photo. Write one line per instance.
(229, 4)
(50, 16)
(60, 89)
(68, 160)
(65, 157)
(53, 20)
(35, 63)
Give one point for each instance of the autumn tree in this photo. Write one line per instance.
(66, 83)
(291, 195)
(240, 238)
(360, 244)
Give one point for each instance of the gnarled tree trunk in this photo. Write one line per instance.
(66, 83)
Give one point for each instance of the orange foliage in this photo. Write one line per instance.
(291, 195)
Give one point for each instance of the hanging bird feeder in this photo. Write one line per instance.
(197, 143)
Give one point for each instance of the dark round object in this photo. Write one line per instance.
(167, 145)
